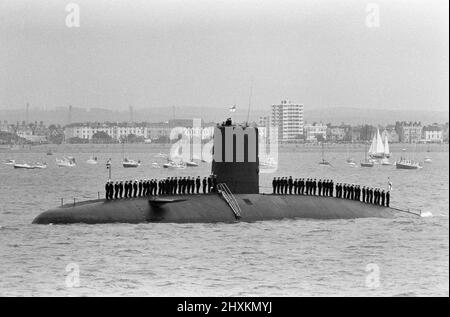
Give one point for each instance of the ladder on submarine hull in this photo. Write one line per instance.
(226, 194)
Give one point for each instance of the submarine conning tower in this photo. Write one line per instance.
(235, 157)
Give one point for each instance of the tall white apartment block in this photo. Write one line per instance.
(288, 118)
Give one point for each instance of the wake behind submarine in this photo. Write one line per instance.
(236, 166)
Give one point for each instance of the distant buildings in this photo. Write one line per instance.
(432, 134)
(116, 131)
(315, 132)
(287, 117)
(341, 133)
(409, 132)
(120, 132)
(391, 134)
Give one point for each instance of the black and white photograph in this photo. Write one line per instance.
(224, 154)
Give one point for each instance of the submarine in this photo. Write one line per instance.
(235, 163)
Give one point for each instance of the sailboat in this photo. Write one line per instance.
(92, 160)
(324, 161)
(385, 160)
(68, 161)
(379, 148)
(126, 162)
(428, 159)
(406, 163)
(366, 162)
(350, 160)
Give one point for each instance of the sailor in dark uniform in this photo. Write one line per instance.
(214, 183)
(296, 186)
(383, 198)
(125, 189)
(120, 189)
(116, 190)
(274, 185)
(140, 188)
(278, 185)
(197, 184)
(302, 186)
(364, 194)
(319, 186)
(130, 189)
(107, 190)
(290, 184)
(371, 192)
(192, 185)
(285, 185)
(204, 183)
(209, 183)
(388, 198)
(135, 188)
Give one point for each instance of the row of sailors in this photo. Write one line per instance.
(312, 187)
(153, 187)
(301, 186)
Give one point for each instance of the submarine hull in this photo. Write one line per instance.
(211, 208)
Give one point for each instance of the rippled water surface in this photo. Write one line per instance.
(288, 257)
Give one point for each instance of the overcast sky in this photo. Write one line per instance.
(207, 53)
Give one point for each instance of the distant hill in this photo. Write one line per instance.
(354, 116)
(334, 115)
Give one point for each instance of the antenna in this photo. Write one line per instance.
(249, 102)
(70, 114)
(131, 114)
(27, 114)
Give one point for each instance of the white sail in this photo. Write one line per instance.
(380, 146)
(386, 145)
(373, 146)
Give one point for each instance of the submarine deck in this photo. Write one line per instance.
(211, 208)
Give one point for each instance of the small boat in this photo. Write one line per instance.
(385, 162)
(40, 165)
(127, 163)
(181, 165)
(407, 165)
(23, 166)
(428, 159)
(367, 163)
(352, 164)
(324, 162)
(191, 164)
(66, 162)
(161, 155)
(170, 164)
(9, 162)
(92, 160)
(156, 165)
